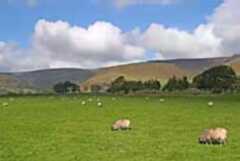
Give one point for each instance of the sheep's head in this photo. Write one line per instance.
(114, 127)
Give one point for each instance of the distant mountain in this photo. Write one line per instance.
(45, 79)
(159, 69)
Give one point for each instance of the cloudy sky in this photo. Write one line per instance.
(37, 34)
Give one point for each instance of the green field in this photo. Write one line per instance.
(61, 129)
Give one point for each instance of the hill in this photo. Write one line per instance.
(159, 69)
(140, 71)
(45, 79)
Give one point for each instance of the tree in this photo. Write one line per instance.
(59, 88)
(117, 85)
(171, 84)
(122, 85)
(152, 85)
(66, 88)
(183, 83)
(176, 84)
(216, 79)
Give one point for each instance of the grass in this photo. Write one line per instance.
(61, 129)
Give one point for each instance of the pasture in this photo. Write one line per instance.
(63, 129)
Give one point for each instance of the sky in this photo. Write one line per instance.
(39, 34)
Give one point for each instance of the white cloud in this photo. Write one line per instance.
(59, 44)
(174, 43)
(226, 20)
(99, 44)
(219, 37)
(14, 58)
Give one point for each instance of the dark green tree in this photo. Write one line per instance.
(152, 85)
(66, 88)
(216, 79)
(174, 84)
(171, 85)
(183, 83)
(117, 85)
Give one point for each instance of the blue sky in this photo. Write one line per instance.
(36, 34)
(18, 18)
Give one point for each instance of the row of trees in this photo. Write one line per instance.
(217, 79)
(122, 85)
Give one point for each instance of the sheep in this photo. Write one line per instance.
(122, 124)
(210, 104)
(205, 137)
(162, 100)
(5, 104)
(99, 104)
(83, 103)
(220, 136)
(213, 136)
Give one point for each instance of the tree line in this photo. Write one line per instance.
(217, 80)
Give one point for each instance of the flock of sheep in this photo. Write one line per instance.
(208, 136)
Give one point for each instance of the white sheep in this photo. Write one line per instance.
(123, 124)
(210, 104)
(162, 100)
(5, 104)
(99, 104)
(213, 136)
(83, 103)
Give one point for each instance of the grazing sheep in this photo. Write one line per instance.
(83, 102)
(205, 137)
(114, 98)
(210, 104)
(123, 124)
(220, 136)
(162, 100)
(213, 136)
(99, 104)
(5, 104)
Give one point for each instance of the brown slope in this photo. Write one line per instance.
(140, 71)
(234, 62)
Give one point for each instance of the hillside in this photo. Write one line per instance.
(45, 79)
(159, 69)
(140, 71)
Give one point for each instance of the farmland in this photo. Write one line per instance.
(54, 128)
